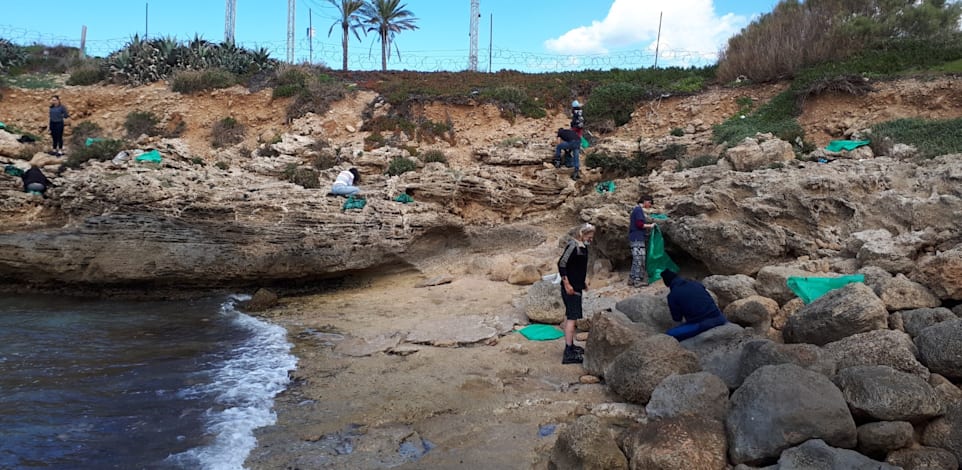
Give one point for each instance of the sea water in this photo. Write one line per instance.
(99, 384)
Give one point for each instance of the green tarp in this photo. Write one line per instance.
(810, 288)
(539, 332)
(404, 199)
(584, 143)
(657, 259)
(13, 171)
(353, 202)
(92, 140)
(839, 145)
(605, 187)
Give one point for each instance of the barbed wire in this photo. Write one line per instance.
(329, 54)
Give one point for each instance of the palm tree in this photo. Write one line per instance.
(388, 18)
(350, 21)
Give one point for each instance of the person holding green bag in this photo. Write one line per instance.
(638, 227)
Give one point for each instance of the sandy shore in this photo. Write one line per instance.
(498, 403)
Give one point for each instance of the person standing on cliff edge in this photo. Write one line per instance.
(58, 113)
(573, 268)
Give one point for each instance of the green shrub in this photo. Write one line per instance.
(324, 161)
(101, 150)
(84, 130)
(192, 81)
(306, 178)
(513, 101)
(88, 74)
(141, 122)
(374, 140)
(400, 165)
(286, 90)
(674, 151)
(316, 98)
(222, 165)
(777, 117)
(932, 138)
(615, 101)
(227, 131)
(687, 85)
(434, 155)
(198, 161)
(636, 165)
(677, 132)
(11, 55)
(702, 160)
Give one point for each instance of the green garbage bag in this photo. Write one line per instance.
(13, 171)
(584, 143)
(657, 216)
(810, 288)
(539, 332)
(152, 156)
(92, 140)
(839, 145)
(3, 126)
(605, 187)
(353, 203)
(657, 258)
(404, 199)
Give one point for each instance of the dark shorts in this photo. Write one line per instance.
(572, 305)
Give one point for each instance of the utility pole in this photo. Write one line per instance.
(290, 31)
(658, 41)
(146, 18)
(490, 40)
(230, 21)
(473, 52)
(310, 36)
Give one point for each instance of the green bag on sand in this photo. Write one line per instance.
(353, 203)
(584, 143)
(810, 288)
(539, 332)
(839, 145)
(152, 156)
(657, 258)
(605, 187)
(404, 199)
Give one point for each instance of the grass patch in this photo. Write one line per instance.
(702, 160)
(677, 132)
(610, 165)
(434, 155)
(227, 131)
(306, 178)
(84, 130)
(34, 81)
(101, 150)
(400, 165)
(931, 137)
(192, 81)
(87, 74)
(140, 123)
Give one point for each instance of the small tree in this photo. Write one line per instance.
(388, 18)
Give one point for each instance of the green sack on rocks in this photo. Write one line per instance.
(540, 332)
(404, 199)
(657, 258)
(839, 145)
(13, 171)
(584, 143)
(353, 203)
(605, 187)
(152, 156)
(92, 140)
(810, 288)
(3, 126)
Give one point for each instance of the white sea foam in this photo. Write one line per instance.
(245, 386)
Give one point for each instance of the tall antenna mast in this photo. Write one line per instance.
(475, 18)
(290, 31)
(230, 21)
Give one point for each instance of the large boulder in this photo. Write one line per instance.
(680, 443)
(839, 313)
(942, 273)
(542, 303)
(816, 454)
(916, 320)
(878, 348)
(885, 394)
(762, 352)
(611, 334)
(781, 406)
(699, 394)
(728, 289)
(648, 309)
(635, 373)
(923, 458)
(880, 248)
(946, 432)
(719, 351)
(585, 444)
(754, 311)
(940, 348)
(771, 281)
(901, 293)
(760, 151)
(879, 438)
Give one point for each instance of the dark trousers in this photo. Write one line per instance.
(688, 330)
(56, 132)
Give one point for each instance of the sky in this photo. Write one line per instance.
(525, 35)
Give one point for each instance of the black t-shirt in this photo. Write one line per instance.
(568, 135)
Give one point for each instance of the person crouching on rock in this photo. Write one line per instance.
(344, 184)
(568, 140)
(573, 267)
(691, 302)
(34, 181)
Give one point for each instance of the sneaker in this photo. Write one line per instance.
(578, 349)
(571, 357)
(557, 163)
(575, 176)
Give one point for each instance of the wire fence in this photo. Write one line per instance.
(369, 57)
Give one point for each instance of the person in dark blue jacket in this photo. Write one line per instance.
(690, 303)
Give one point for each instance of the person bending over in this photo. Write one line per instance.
(344, 184)
(690, 303)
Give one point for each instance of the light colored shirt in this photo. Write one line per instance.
(345, 177)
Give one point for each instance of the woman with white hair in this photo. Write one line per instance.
(573, 267)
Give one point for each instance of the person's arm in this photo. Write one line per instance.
(65, 113)
(563, 268)
(675, 308)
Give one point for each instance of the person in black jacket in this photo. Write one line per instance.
(573, 268)
(58, 112)
(34, 181)
(690, 302)
(568, 140)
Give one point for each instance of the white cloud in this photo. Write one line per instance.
(687, 25)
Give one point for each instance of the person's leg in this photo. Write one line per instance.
(637, 273)
(557, 154)
(56, 132)
(36, 187)
(684, 331)
(572, 353)
(344, 190)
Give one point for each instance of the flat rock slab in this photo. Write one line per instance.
(360, 347)
(452, 331)
(435, 281)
